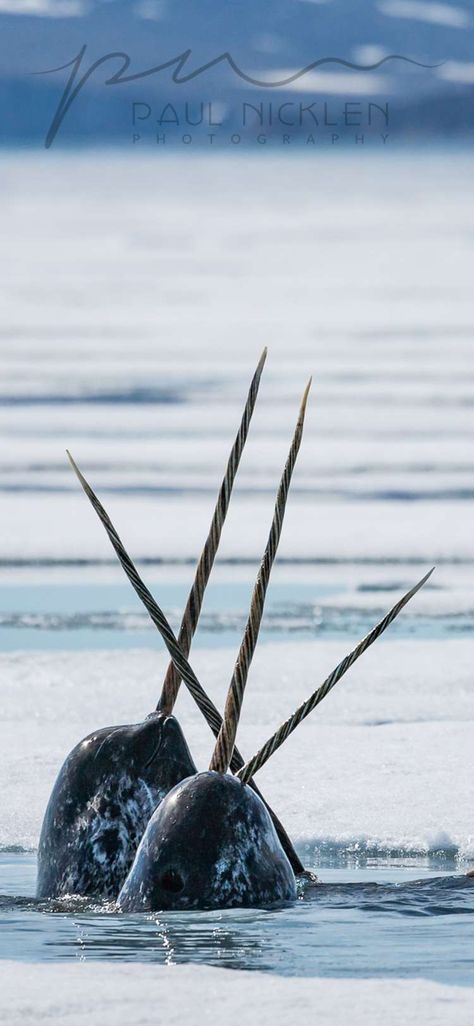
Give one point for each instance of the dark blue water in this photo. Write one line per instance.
(374, 921)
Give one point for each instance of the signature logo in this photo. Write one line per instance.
(80, 73)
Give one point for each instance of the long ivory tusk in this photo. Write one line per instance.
(192, 611)
(225, 742)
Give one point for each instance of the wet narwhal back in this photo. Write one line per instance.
(103, 798)
(210, 844)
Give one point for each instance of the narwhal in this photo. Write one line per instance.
(211, 842)
(181, 665)
(112, 781)
(105, 793)
(234, 759)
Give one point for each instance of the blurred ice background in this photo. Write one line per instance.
(429, 91)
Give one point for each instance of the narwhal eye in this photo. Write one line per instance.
(172, 881)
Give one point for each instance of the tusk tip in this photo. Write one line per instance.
(422, 582)
(305, 399)
(261, 361)
(76, 470)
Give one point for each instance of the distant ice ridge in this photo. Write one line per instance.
(65, 528)
(385, 765)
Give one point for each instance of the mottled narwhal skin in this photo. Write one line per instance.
(210, 844)
(103, 798)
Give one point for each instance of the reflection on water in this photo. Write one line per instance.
(365, 922)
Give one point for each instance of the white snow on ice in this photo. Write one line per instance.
(140, 995)
(386, 762)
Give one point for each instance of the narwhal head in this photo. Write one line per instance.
(210, 844)
(104, 796)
